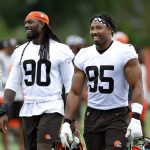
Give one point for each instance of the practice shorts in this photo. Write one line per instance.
(106, 129)
(44, 128)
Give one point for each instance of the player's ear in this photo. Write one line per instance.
(109, 29)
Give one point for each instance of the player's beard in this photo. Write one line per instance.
(32, 36)
(101, 41)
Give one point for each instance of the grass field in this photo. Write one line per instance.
(14, 146)
(147, 125)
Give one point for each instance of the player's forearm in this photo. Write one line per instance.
(72, 104)
(137, 95)
(9, 96)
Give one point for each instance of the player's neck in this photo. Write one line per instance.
(38, 40)
(104, 47)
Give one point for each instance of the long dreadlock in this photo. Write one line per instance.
(107, 20)
(44, 48)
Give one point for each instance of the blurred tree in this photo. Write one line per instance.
(72, 17)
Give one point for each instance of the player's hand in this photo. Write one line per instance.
(3, 123)
(134, 129)
(66, 135)
(75, 142)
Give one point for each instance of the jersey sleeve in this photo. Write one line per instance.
(130, 53)
(16, 54)
(78, 60)
(67, 70)
(15, 77)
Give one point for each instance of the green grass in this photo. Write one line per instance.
(13, 145)
(147, 124)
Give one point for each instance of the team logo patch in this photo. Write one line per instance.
(47, 137)
(117, 143)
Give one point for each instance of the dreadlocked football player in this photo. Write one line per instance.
(109, 68)
(42, 66)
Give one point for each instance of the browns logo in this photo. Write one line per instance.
(117, 143)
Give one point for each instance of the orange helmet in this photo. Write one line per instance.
(121, 36)
(58, 145)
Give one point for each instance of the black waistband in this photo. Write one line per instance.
(114, 109)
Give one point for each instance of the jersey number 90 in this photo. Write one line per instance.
(100, 74)
(37, 73)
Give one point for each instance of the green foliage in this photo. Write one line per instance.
(72, 17)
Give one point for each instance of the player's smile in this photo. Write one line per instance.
(96, 38)
(28, 31)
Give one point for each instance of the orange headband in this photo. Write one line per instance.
(38, 15)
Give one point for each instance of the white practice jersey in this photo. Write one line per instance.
(41, 80)
(107, 85)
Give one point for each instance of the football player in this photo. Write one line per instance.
(42, 66)
(109, 68)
